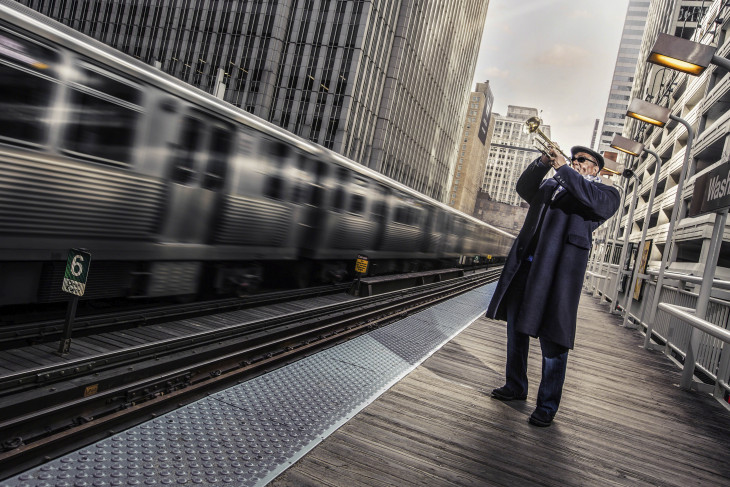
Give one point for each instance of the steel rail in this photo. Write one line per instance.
(49, 330)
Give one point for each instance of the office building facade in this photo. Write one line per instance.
(511, 150)
(472, 158)
(381, 82)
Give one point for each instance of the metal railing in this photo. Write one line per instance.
(603, 270)
(675, 321)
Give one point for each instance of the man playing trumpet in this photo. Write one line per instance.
(539, 289)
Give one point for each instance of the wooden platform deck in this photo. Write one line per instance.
(622, 421)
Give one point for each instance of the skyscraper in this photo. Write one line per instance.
(623, 74)
(595, 133)
(382, 82)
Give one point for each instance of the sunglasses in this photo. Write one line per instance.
(582, 159)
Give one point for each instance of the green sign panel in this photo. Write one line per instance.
(77, 270)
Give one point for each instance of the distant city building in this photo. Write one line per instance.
(503, 216)
(381, 82)
(595, 134)
(623, 73)
(511, 150)
(472, 157)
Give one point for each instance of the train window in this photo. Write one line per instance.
(220, 148)
(184, 159)
(317, 191)
(360, 181)
(26, 89)
(401, 215)
(379, 206)
(110, 87)
(274, 185)
(26, 53)
(413, 215)
(102, 125)
(338, 201)
(357, 204)
(304, 191)
(277, 149)
(299, 181)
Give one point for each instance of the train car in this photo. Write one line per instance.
(175, 192)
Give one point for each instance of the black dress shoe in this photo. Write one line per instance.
(540, 418)
(505, 394)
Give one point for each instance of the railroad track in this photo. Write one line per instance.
(14, 335)
(91, 397)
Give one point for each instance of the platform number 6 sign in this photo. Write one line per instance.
(77, 270)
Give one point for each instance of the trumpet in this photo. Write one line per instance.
(533, 126)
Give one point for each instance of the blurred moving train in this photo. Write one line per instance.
(175, 192)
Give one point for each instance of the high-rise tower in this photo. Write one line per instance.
(623, 74)
(382, 82)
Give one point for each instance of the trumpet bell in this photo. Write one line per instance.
(532, 124)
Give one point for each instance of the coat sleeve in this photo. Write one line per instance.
(601, 200)
(530, 179)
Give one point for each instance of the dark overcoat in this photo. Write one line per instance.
(550, 303)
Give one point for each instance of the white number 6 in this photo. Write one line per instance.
(76, 265)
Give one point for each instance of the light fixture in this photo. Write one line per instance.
(628, 146)
(684, 55)
(648, 112)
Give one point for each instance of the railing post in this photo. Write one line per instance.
(627, 234)
(670, 230)
(642, 309)
(642, 239)
(670, 335)
(723, 370)
(708, 275)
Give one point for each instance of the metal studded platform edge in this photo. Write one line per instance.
(250, 433)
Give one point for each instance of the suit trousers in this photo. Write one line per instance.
(554, 356)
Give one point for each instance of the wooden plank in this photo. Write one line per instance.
(622, 421)
(19, 359)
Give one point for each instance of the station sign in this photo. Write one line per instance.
(361, 265)
(77, 270)
(711, 191)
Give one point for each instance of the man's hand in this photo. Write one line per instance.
(558, 159)
(553, 158)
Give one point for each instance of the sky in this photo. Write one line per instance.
(554, 55)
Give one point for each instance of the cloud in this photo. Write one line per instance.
(563, 55)
(492, 72)
(580, 14)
